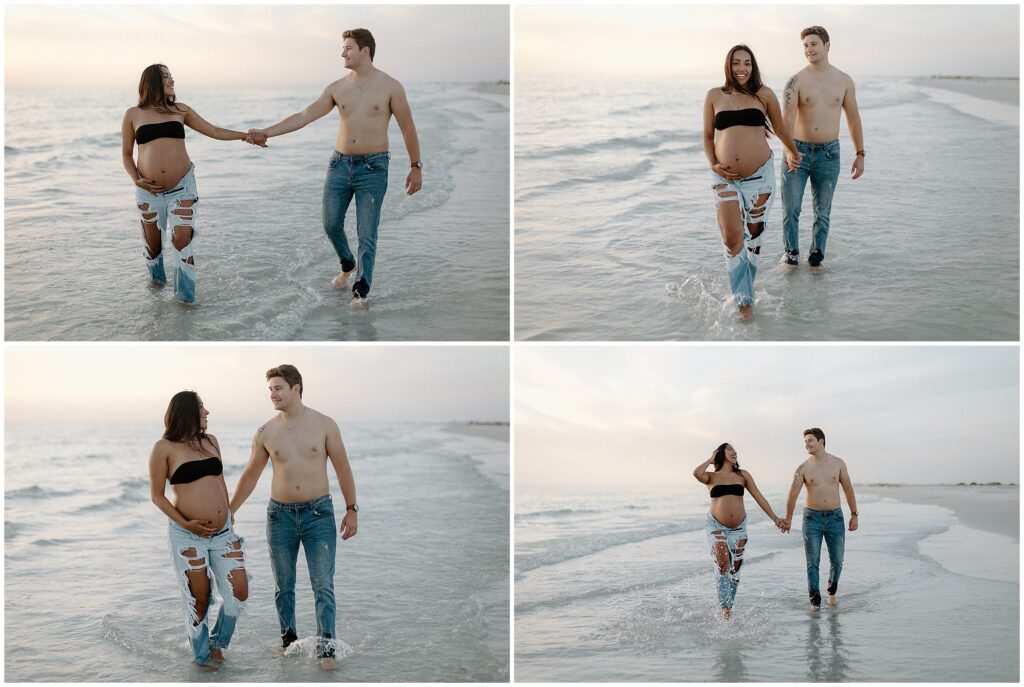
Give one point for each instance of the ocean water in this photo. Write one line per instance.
(422, 590)
(616, 236)
(621, 588)
(74, 268)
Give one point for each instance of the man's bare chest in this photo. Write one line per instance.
(295, 448)
(821, 95)
(363, 104)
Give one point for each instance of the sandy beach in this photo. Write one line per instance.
(990, 508)
(1001, 90)
(494, 432)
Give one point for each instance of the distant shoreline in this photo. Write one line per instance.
(990, 507)
(1000, 89)
(495, 431)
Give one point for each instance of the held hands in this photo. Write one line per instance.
(148, 185)
(793, 161)
(256, 137)
(783, 525)
(414, 182)
(349, 525)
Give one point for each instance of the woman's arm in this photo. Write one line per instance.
(781, 128)
(128, 156)
(314, 111)
(157, 479)
(223, 484)
(709, 133)
(759, 497)
(701, 471)
(197, 123)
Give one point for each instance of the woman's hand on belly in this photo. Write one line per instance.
(742, 152)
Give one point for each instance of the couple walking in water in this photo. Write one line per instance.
(738, 118)
(822, 473)
(298, 442)
(164, 176)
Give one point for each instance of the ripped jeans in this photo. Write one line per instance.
(727, 544)
(742, 267)
(365, 178)
(223, 554)
(177, 204)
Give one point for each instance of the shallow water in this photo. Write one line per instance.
(616, 236)
(422, 590)
(74, 268)
(620, 588)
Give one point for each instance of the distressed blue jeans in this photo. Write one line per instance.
(220, 554)
(830, 525)
(311, 524)
(820, 164)
(365, 178)
(161, 208)
(742, 267)
(734, 539)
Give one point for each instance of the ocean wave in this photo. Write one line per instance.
(134, 490)
(582, 546)
(650, 139)
(37, 492)
(13, 529)
(628, 173)
(561, 512)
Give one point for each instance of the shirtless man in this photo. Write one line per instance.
(365, 99)
(823, 474)
(299, 441)
(811, 103)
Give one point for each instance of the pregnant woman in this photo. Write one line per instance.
(202, 538)
(736, 130)
(164, 175)
(727, 521)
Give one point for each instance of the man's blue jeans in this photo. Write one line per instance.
(820, 164)
(310, 523)
(365, 178)
(830, 525)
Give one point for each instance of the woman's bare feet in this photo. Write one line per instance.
(746, 312)
(217, 655)
(328, 663)
(726, 613)
(832, 600)
(341, 281)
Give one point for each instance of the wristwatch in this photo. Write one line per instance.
(354, 508)
(853, 513)
(418, 164)
(861, 153)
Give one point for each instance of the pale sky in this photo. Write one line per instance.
(692, 41)
(248, 46)
(111, 384)
(605, 417)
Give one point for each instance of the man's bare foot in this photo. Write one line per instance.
(726, 613)
(787, 269)
(279, 650)
(358, 303)
(814, 608)
(217, 655)
(341, 281)
(328, 663)
(832, 600)
(817, 271)
(746, 312)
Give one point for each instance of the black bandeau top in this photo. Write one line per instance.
(750, 116)
(726, 490)
(192, 470)
(169, 129)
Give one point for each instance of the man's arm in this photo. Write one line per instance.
(794, 492)
(251, 475)
(790, 101)
(314, 111)
(403, 115)
(339, 459)
(782, 130)
(851, 498)
(856, 130)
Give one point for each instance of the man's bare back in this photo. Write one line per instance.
(365, 106)
(819, 96)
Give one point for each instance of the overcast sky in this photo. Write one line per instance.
(606, 417)
(133, 383)
(692, 41)
(248, 46)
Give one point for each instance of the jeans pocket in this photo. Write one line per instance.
(272, 515)
(333, 162)
(377, 165)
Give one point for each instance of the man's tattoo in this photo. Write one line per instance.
(790, 87)
(796, 476)
(260, 430)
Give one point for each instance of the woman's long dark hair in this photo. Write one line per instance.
(181, 421)
(720, 458)
(754, 83)
(151, 91)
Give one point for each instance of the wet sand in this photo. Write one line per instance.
(1001, 90)
(990, 508)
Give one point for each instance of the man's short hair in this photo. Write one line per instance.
(818, 434)
(289, 374)
(818, 31)
(363, 38)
